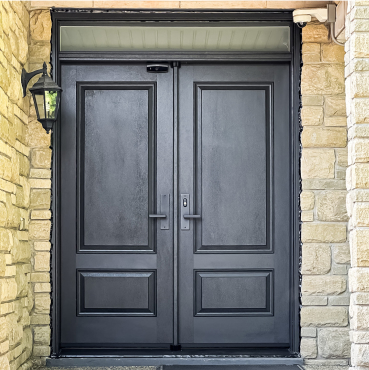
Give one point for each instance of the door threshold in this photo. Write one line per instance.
(287, 363)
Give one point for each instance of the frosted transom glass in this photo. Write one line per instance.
(175, 38)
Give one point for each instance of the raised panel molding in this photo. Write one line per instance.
(234, 293)
(120, 293)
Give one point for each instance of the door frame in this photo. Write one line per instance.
(71, 16)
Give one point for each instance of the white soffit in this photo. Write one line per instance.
(174, 38)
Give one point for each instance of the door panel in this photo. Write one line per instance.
(234, 161)
(116, 262)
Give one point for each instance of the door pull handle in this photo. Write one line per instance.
(191, 216)
(164, 209)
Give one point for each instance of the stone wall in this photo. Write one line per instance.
(325, 251)
(16, 302)
(357, 98)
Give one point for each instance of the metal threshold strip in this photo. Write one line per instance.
(183, 362)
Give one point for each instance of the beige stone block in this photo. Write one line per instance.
(8, 289)
(360, 356)
(35, 135)
(40, 199)
(341, 254)
(311, 48)
(42, 246)
(316, 259)
(42, 288)
(360, 176)
(334, 343)
(4, 362)
(42, 303)
(307, 216)
(358, 150)
(322, 79)
(310, 58)
(312, 99)
(6, 240)
(40, 25)
(359, 279)
(40, 277)
(333, 53)
(307, 200)
(359, 85)
(323, 285)
(61, 4)
(323, 232)
(314, 301)
(308, 332)
(41, 335)
(42, 261)
(137, 4)
(341, 157)
(361, 215)
(41, 215)
(339, 301)
(21, 252)
(312, 115)
(360, 337)
(40, 173)
(359, 247)
(308, 348)
(324, 316)
(359, 317)
(40, 320)
(40, 183)
(360, 43)
(41, 351)
(317, 163)
(360, 110)
(335, 121)
(327, 137)
(331, 206)
(39, 230)
(41, 158)
(315, 32)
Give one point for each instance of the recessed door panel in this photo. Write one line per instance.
(117, 147)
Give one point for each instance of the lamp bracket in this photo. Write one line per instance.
(26, 77)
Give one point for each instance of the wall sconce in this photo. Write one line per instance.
(46, 96)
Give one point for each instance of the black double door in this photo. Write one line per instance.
(175, 201)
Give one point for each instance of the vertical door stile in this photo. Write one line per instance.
(175, 204)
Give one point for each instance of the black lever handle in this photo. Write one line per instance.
(191, 216)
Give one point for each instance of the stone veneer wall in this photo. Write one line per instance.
(325, 251)
(25, 159)
(357, 98)
(16, 300)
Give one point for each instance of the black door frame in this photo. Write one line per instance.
(70, 16)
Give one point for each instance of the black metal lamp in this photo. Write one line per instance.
(46, 96)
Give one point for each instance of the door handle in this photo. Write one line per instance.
(185, 212)
(164, 209)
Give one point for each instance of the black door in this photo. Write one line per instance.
(175, 206)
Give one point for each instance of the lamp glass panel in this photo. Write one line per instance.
(51, 104)
(166, 37)
(40, 102)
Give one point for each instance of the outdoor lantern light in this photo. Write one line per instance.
(46, 96)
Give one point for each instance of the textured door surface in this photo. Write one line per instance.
(234, 160)
(116, 262)
(221, 279)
